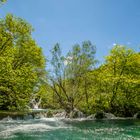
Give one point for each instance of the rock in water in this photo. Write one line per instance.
(7, 119)
(103, 115)
(109, 116)
(76, 114)
(92, 116)
(60, 115)
(100, 115)
(137, 115)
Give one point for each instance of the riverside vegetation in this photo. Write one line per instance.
(75, 80)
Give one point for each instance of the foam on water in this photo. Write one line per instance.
(51, 128)
(50, 119)
(9, 128)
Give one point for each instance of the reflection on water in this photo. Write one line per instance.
(54, 129)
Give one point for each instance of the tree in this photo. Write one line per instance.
(57, 77)
(2, 1)
(69, 71)
(121, 72)
(83, 61)
(21, 63)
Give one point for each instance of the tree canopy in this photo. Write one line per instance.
(111, 87)
(75, 81)
(21, 62)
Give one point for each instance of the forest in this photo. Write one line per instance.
(75, 80)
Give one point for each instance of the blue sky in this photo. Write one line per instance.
(103, 22)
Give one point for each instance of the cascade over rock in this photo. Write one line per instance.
(137, 115)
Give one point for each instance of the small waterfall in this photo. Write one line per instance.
(7, 119)
(35, 104)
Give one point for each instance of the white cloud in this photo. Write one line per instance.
(114, 44)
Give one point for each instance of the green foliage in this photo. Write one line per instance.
(113, 87)
(74, 81)
(3, 1)
(49, 114)
(20, 60)
(123, 74)
(69, 71)
(117, 82)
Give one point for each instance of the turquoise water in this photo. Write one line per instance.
(53, 129)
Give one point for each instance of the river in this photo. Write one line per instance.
(56, 129)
